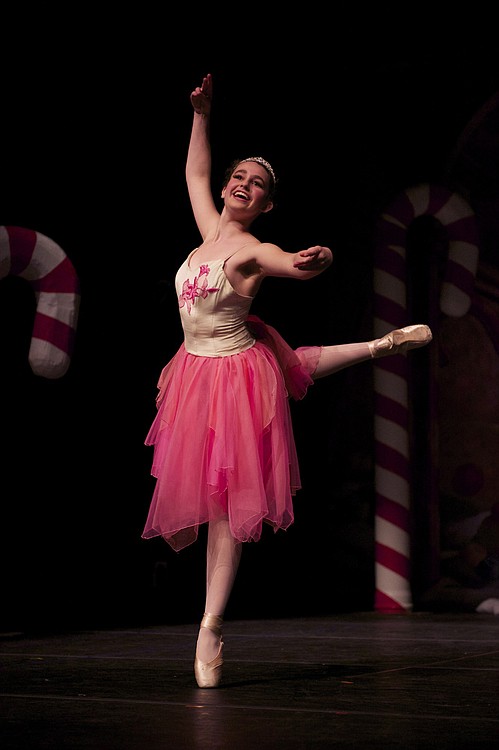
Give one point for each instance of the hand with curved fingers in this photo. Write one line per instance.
(314, 258)
(202, 95)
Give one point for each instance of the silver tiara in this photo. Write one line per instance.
(263, 162)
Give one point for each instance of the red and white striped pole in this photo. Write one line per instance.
(391, 374)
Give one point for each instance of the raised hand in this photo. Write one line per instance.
(202, 95)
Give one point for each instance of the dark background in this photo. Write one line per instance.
(95, 125)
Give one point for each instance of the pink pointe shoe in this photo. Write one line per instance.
(209, 674)
(401, 340)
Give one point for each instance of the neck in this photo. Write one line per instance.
(230, 228)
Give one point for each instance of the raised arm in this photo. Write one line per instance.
(198, 165)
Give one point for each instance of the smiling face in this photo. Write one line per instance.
(248, 188)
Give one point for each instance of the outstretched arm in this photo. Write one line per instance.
(304, 264)
(198, 165)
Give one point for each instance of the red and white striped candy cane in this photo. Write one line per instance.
(391, 421)
(46, 267)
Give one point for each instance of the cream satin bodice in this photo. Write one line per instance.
(212, 313)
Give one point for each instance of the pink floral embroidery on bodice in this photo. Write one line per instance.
(198, 288)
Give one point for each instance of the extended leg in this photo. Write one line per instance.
(335, 358)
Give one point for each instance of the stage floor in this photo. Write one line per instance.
(362, 680)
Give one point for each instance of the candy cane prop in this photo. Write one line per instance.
(391, 421)
(45, 266)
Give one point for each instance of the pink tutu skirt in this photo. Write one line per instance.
(223, 439)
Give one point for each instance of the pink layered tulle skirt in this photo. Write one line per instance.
(223, 439)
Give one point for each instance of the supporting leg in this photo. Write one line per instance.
(223, 555)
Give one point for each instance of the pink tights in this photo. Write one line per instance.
(336, 358)
(222, 561)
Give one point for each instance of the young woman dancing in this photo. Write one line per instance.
(224, 451)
